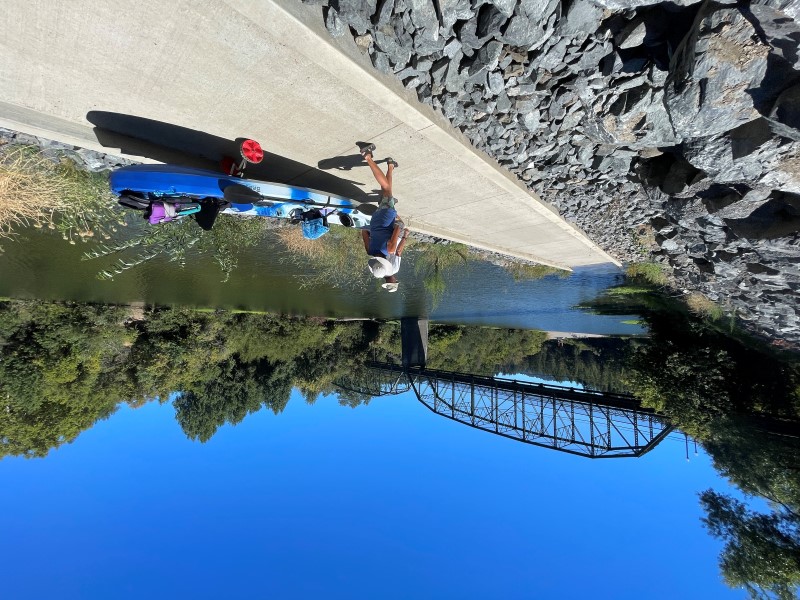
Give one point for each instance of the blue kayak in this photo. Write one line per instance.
(172, 182)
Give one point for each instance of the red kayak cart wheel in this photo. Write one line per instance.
(251, 151)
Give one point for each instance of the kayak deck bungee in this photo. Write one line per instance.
(277, 200)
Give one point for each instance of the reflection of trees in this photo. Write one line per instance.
(432, 261)
(762, 550)
(58, 373)
(64, 367)
(742, 404)
(236, 390)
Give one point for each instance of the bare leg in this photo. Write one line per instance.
(383, 181)
(389, 171)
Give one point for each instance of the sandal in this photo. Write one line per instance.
(366, 149)
(391, 161)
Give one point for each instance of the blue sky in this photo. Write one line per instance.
(383, 501)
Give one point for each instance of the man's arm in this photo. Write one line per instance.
(402, 243)
(392, 245)
(365, 237)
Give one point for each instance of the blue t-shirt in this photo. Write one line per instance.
(381, 227)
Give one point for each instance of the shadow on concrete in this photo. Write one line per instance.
(346, 163)
(174, 144)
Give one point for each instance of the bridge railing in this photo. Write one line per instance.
(568, 419)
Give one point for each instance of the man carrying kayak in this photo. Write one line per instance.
(386, 237)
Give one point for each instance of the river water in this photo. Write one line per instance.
(180, 453)
(41, 265)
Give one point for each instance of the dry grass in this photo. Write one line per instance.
(292, 238)
(703, 307)
(337, 259)
(36, 191)
(31, 191)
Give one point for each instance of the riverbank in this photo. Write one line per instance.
(667, 133)
(99, 162)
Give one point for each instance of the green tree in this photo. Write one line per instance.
(59, 372)
(762, 551)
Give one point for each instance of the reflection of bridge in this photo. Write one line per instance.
(582, 422)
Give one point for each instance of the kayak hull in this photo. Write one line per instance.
(280, 200)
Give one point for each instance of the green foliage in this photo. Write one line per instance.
(432, 261)
(234, 391)
(224, 243)
(480, 350)
(739, 402)
(58, 373)
(598, 363)
(762, 551)
(527, 272)
(64, 367)
(650, 273)
(695, 375)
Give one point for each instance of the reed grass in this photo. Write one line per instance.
(36, 191)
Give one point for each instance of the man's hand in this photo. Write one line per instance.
(402, 243)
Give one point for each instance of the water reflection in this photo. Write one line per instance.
(66, 366)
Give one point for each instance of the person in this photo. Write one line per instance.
(386, 237)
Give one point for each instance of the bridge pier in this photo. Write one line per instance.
(414, 337)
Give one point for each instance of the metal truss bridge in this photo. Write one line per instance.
(576, 421)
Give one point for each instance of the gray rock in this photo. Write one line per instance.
(538, 10)
(452, 48)
(590, 59)
(407, 72)
(426, 45)
(503, 102)
(790, 7)
(384, 12)
(468, 37)
(490, 20)
(530, 121)
(525, 105)
(634, 4)
(455, 80)
(455, 10)
(521, 31)
(496, 83)
(356, 13)
(506, 7)
(486, 59)
(421, 64)
(632, 34)
(719, 77)
(426, 25)
(334, 24)
(381, 62)
(581, 19)
(786, 109)
(438, 70)
(397, 54)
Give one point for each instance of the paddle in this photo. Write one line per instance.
(241, 194)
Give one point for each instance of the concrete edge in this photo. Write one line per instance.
(344, 61)
(512, 253)
(31, 122)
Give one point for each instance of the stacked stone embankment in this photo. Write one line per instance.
(667, 131)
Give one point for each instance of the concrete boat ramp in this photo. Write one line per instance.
(265, 69)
